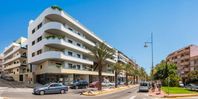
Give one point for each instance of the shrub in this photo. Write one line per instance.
(56, 7)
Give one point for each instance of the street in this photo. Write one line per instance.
(17, 93)
(26, 93)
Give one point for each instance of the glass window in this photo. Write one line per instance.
(70, 53)
(33, 54)
(33, 31)
(70, 29)
(78, 55)
(33, 42)
(70, 41)
(39, 39)
(39, 52)
(78, 66)
(70, 65)
(39, 26)
(78, 44)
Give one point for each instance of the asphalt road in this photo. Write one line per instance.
(26, 93)
(14, 93)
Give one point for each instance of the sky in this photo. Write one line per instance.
(124, 24)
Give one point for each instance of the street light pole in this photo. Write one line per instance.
(151, 42)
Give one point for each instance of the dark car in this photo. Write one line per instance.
(79, 84)
(8, 78)
(51, 88)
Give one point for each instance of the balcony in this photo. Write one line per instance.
(63, 43)
(56, 27)
(85, 72)
(57, 55)
(14, 66)
(14, 58)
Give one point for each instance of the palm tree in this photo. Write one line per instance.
(118, 67)
(128, 70)
(101, 53)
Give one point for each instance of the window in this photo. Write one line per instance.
(78, 55)
(70, 53)
(33, 31)
(41, 66)
(74, 66)
(33, 54)
(39, 39)
(17, 70)
(78, 66)
(33, 42)
(79, 33)
(70, 29)
(78, 44)
(70, 41)
(70, 65)
(39, 52)
(39, 26)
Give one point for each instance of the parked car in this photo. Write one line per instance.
(144, 86)
(7, 77)
(51, 88)
(94, 84)
(192, 87)
(181, 84)
(79, 84)
(107, 84)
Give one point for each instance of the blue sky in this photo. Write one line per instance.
(124, 24)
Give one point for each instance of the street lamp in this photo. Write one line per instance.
(146, 45)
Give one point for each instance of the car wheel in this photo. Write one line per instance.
(62, 91)
(42, 92)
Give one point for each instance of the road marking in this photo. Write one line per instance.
(132, 97)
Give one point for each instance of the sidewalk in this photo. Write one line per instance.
(156, 93)
(107, 90)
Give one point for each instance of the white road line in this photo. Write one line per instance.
(132, 97)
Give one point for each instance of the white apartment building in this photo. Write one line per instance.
(1, 63)
(59, 49)
(15, 61)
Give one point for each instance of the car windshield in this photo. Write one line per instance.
(46, 85)
(143, 84)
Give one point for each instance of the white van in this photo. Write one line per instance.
(144, 86)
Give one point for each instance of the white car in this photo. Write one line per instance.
(144, 86)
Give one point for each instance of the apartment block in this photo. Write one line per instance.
(15, 61)
(59, 49)
(185, 59)
(1, 63)
(124, 59)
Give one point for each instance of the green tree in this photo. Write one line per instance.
(101, 53)
(165, 71)
(129, 70)
(193, 76)
(118, 67)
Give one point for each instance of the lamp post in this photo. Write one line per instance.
(146, 45)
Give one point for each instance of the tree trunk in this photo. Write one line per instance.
(116, 78)
(127, 79)
(100, 76)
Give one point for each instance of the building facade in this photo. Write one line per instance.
(1, 63)
(185, 59)
(123, 59)
(59, 49)
(15, 61)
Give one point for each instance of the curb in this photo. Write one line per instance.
(109, 92)
(175, 96)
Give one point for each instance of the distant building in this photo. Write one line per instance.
(15, 61)
(1, 63)
(185, 59)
